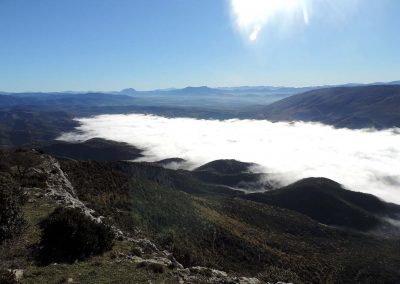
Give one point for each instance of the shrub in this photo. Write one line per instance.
(275, 274)
(152, 266)
(11, 201)
(68, 235)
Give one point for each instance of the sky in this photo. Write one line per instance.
(103, 45)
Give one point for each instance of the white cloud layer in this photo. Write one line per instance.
(362, 160)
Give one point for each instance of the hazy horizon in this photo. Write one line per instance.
(212, 87)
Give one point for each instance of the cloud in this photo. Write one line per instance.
(362, 160)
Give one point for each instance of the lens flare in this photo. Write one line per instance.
(252, 15)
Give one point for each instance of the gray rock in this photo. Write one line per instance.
(18, 274)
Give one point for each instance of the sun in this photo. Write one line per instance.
(252, 15)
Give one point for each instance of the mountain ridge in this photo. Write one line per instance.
(290, 89)
(374, 106)
(328, 202)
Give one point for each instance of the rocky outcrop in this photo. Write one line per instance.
(61, 189)
(208, 275)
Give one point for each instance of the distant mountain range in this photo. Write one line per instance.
(241, 90)
(38, 118)
(205, 90)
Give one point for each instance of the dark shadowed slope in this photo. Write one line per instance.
(226, 167)
(94, 149)
(234, 174)
(351, 107)
(327, 202)
(63, 100)
(24, 126)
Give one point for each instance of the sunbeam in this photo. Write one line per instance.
(252, 15)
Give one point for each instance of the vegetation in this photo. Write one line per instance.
(103, 189)
(327, 202)
(199, 225)
(11, 200)
(32, 125)
(94, 149)
(204, 227)
(226, 167)
(68, 234)
(103, 269)
(275, 274)
(19, 163)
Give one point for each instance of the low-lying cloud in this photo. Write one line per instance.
(362, 160)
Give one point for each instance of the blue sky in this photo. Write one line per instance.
(55, 45)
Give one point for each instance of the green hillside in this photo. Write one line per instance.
(154, 215)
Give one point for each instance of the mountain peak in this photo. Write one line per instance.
(128, 91)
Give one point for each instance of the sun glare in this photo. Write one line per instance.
(252, 15)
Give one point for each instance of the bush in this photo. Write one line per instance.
(68, 235)
(11, 201)
(275, 274)
(152, 266)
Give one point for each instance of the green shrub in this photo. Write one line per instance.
(68, 235)
(11, 201)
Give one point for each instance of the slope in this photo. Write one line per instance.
(327, 202)
(351, 107)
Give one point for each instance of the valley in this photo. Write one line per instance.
(188, 207)
(252, 236)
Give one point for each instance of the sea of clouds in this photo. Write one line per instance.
(361, 160)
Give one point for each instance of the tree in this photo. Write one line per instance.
(24, 161)
(11, 200)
